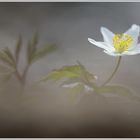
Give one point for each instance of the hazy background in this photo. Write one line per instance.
(45, 110)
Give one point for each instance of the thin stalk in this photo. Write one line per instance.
(18, 76)
(114, 72)
(24, 75)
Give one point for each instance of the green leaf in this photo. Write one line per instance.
(64, 72)
(28, 51)
(6, 57)
(7, 51)
(32, 46)
(73, 71)
(42, 52)
(35, 40)
(115, 90)
(88, 76)
(18, 47)
(56, 75)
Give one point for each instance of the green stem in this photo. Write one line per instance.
(114, 72)
(24, 75)
(22, 78)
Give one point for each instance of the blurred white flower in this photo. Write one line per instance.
(119, 44)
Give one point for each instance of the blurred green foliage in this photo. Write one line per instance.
(9, 61)
(77, 79)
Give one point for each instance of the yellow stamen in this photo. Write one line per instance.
(122, 42)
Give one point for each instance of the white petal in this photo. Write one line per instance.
(112, 53)
(102, 45)
(132, 52)
(122, 54)
(136, 48)
(107, 35)
(134, 32)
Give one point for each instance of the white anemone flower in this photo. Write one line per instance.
(119, 44)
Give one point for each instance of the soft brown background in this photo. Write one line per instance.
(45, 110)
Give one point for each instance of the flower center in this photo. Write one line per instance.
(122, 42)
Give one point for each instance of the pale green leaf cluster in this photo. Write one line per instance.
(10, 60)
(75, 77)
(74, 71)
(42, 52)
(8, 64)
(34, 53)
